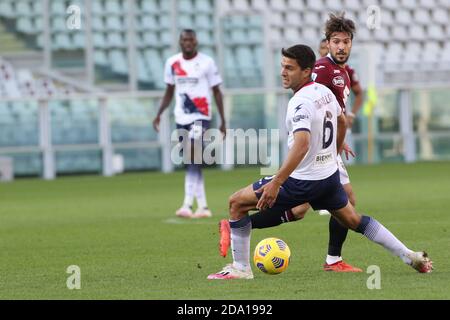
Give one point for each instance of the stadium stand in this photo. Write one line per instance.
(414, 37)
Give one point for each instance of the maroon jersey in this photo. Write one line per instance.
(336, 78)
(352, 74)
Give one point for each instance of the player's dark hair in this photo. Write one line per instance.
(338, 23)
(303, 54)
(323, 40)
(190, 31)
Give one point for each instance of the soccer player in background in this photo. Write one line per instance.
(191, 75)
(331, 72)
(316, 129)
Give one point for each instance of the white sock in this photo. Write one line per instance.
(189, 188)
(240, 242)
(200, 193)
(333, 259)
(376, 232)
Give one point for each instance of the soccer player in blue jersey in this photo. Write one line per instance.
(316, 126)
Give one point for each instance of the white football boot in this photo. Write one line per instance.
(202, 213)
(421, 262)
(231, 272)
(184, 212)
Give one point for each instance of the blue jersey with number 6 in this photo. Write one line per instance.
(314, 108)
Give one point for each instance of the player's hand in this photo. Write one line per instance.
(156, 123)
(269, 195)
(348, 151)
(223, 129)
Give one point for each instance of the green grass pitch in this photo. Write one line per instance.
(124, 236)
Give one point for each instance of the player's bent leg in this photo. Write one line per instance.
(239, 204)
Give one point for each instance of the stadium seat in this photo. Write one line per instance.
(403, 17)
(23, 9)
(255, 21)
(165, 38)
(185, 21)
(143, 73)
(238, 36)
(97, 8)
(310, 35)
(149, 6)
(421, 16)
(203, 21)
(293, 19)
(310, 18)
(148, 39)
(113, 7)
(409, 4)
(277, 5)
(435, 32)
(119, 61)
(255, 36)
(148, 22)
(24, 24)
(38, 24)
(57, 8)
(6, 9)
(165, 22)
(58, 24)
(101, 58)
(417, 32)
(97, 23)
(185, 6)
(353, 5)
(258, 5)
(114, 23)
(79, 40)
(399, 33)
(209, 51)
(427, 4)
(390, 4)
(292, 35)
(241, 5)
(314, 5)
(440, 16)
(61, 41)
(205, 37)
(99, 40)
(203, 6)
(116, 40)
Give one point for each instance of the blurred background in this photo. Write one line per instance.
(81, 81)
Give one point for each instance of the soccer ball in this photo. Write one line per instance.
(272, 256)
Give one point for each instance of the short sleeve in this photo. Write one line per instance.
(322, 75)
(213, 75)
(168, 73)
(300, 115)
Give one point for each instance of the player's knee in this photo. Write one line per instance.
(234, 205)
(299, 212)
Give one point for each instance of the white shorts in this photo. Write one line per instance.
(343, 174)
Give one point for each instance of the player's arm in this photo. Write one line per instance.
(341, 131)
(218, 96)
(357, 103)
(168, 95)
(294, 157)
